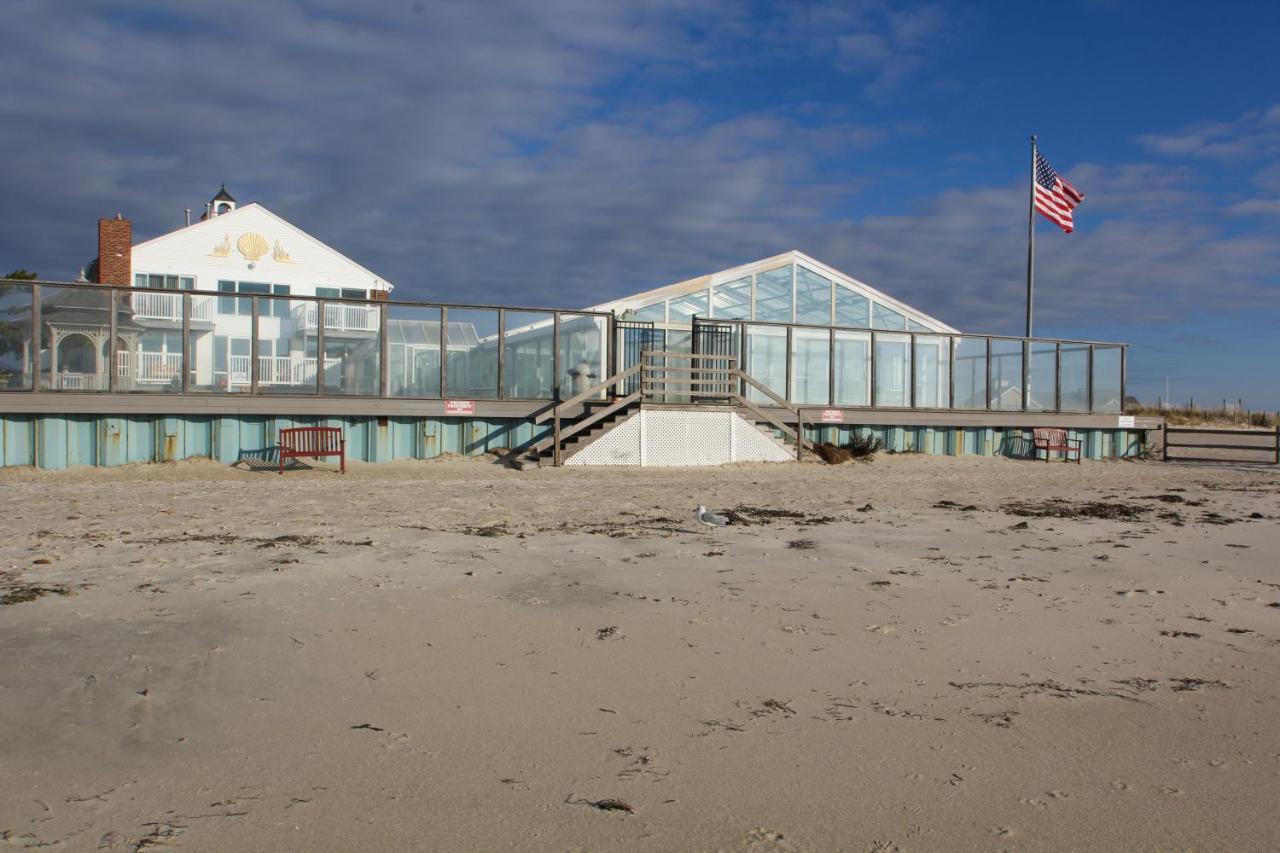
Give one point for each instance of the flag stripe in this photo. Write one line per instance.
(1054, 197)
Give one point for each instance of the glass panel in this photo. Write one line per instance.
(148, 352)
(653, 313)
(810, 367)
(1043, 378)
(853, 369)
(287, 341)
(226, 304)
(280, 307)
(74, 325)
(813, 298)
(766, 361)
(352, 348)
(472, 360)
(681, 342)
(682, 308)
(582, 352)
(1006, 375)
(528, 356)
(893, 370)
(971, 373)
(913, 326)
(883, 317)
(1075, 377)
(1106, 379)
(17, 338)
(852, 309)
(413, 352)
(933, 369)
(732, 300)
(773, 297)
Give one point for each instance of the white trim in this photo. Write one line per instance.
(753, 268)
(217, 223)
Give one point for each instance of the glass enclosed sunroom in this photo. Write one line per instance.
(820, 338)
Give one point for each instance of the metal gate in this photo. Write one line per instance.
(720, 339)
(634, 337)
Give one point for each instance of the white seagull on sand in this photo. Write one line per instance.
(710, 519)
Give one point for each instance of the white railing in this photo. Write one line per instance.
(68, 380)
(167, 305)
(157, 366)
(338, 317)
(276, 370)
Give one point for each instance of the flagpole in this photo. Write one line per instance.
(1031, 234)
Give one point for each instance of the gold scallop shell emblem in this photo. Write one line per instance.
(253, 245)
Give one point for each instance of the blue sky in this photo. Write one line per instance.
(570, 151)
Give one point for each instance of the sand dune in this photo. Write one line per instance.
(917, 653)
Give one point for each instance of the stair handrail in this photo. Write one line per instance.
(587, 394)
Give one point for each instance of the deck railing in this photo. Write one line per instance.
(167, 305)
(175, 342)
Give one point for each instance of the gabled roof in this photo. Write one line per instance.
(695, 285)
(242, 217)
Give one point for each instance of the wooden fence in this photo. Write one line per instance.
(1228, 445)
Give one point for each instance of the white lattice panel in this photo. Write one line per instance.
(667, 438)
(750, 444)
(619, 446)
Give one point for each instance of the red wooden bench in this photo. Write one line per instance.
(1049, 439)
(315, 442)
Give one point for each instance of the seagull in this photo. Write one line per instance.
(710, 519)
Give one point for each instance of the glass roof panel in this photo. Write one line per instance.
(913, 326)
(883, 317)
(813, 297)
(681, 308)
(773, 295)
(656, 313)
(852, 308)
(732, 300)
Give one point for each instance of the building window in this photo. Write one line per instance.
(164, 282)
(244, 306)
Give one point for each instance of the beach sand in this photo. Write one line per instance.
(454, 656)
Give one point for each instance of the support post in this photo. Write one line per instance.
(253, 347)
(1031, 236)
(37, 337)
(320, 310)
(502, 353)
(384, 351)
(111, 341)
(186, 343)
(444, 350)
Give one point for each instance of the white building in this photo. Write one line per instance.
(243, 251)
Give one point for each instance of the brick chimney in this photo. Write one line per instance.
(115, 251)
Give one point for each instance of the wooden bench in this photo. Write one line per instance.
(315, 442)
(1049, 439)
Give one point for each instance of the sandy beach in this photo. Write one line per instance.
(912, 654)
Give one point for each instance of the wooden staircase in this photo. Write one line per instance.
(667, 380)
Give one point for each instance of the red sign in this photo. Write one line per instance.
(459, 407)
(832, 416)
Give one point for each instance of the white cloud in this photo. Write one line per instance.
(1251, 136)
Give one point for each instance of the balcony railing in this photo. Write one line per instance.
(276, 370)
(162, 305)
(338, 317)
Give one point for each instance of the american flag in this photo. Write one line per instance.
(1055, 198)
